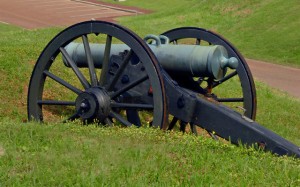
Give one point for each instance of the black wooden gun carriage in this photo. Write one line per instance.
(185, 78)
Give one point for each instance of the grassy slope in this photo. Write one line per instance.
(70, 154)
(19, 50)
(265, 30)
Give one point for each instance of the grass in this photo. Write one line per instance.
(265, 30)
(71, 154)
(19, 50)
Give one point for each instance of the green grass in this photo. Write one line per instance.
(71, 154)
(265, 30)
(19, 50)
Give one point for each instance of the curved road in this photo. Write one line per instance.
(31, 14)
(281, 77)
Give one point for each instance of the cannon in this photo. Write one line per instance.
(205, 61)
(188, 78)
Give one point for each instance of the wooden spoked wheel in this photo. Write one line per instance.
(61, 93)
(236, 89)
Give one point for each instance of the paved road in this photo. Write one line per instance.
(282, 77)
(32, 14)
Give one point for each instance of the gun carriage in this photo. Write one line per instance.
(102, 72)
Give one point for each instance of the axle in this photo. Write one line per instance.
(195, 60)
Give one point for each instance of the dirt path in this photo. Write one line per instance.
(32, 14)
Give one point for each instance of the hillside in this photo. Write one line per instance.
(265, 30)
(72, 154)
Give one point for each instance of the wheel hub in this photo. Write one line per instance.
(94, 103)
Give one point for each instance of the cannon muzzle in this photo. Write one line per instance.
(195, 60)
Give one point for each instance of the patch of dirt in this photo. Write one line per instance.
(235, 10)
(243, 13)
(2, 151)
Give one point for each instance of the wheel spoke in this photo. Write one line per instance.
(182, 126)
(119, 71)
(129, 86)
(105, 63)
(172, 124)
(133, 117)
(198, 41)
(108, 122)
(119, 118)
(78, 73)
(224, 79)
(92, 71)
(230, 100)
(72, 118)
(193, 129)
(131, 106)
(62, 82)
(54, 102)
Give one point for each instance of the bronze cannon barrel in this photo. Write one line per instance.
(195, 60)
